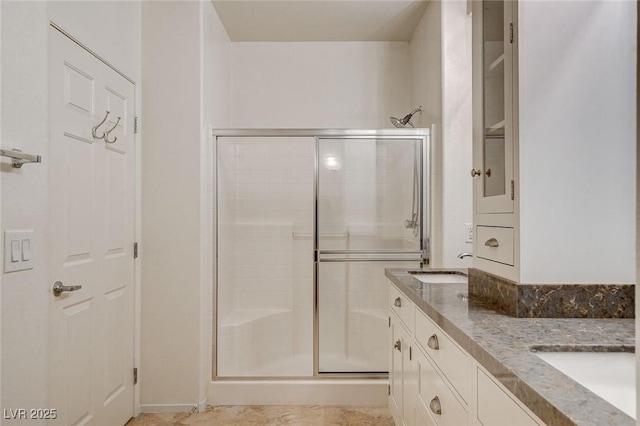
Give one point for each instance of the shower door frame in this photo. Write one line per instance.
(419, 134)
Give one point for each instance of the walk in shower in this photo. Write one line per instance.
(306, 222)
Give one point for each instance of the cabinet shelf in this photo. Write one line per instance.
(498, 62)
(496, 129)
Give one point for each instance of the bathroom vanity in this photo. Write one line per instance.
(455, 362)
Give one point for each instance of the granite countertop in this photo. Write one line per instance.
(502, 344)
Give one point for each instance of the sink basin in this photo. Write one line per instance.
(440, 277)
(610, 375)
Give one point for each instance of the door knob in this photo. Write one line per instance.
(488, 173)
(397, 303)
(398, 345)
(59, 288)
(475, 172)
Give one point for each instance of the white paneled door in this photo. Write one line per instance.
(91, 214)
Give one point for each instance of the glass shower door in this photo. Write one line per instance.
(369, 217)
(265, 256)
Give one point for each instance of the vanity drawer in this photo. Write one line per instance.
(435, 400)
(495, 243)
(402, 306)
(447, 356)
(499, 408)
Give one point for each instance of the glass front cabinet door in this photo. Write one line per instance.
(494, 118)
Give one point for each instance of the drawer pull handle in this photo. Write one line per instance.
(475, 172)
(435, 405)
(398, 345)
(491, 242)
(398, 302)
(433, 342)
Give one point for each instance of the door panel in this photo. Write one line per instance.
(91, 215)
(369, 218)
(367, 189)
(79, 324)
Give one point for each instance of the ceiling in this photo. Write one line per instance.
(320, 20)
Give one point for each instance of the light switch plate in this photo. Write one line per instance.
(13, 239)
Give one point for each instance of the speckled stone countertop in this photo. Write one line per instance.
(502, 344)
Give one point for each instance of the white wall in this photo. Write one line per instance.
(577, 126)
(457, 190)
(319, 85)
(440, 54)
(425, 55)
(24, 123)
(185, 92)
(25, 295)
(216, 89)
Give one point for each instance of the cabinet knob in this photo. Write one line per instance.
(398, 345)
(398, 302)
(475, 172)
(435, 405)
(433, 342)
(491, 242)
(488, 173)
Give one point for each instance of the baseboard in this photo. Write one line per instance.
(298, 392)
(202, 405)
(171, 408)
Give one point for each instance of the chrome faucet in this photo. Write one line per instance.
(464, 254)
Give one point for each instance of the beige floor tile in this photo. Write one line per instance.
(272, 415)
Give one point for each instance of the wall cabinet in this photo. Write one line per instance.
(435, 382)
(548, 164)
(495, 136)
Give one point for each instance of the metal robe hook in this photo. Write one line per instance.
(93, 131)
(106, 136)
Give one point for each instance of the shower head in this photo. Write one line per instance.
(406, 120)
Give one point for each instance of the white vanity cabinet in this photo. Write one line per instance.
(443, 376)
(433, 381)
(402, 368)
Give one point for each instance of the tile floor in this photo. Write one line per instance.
(314, 415)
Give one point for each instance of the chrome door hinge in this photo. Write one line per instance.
(135, 376)
(136, 123)
(511, 32)
(135, 250)
(512, 190)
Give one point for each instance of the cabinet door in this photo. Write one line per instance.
(403, 374)
(409, 381)
(498, 408)
(395, 370)
(494, 118)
